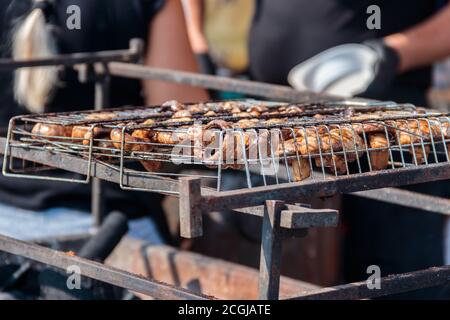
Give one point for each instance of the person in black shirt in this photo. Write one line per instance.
(413, 36)
(32, 29)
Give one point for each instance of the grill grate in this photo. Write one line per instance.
(268, 142)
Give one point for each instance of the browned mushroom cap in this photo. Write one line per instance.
(370, 127)
(305, 143)
(258, 108)
(301, 170)
(130, 143)
(51, 131)
(151, 165)
(293, 109)
(101, 116)
(231, 106)
(246, 123)
(414, 132)
(379, 159)
(173, 106)
(343, 139)
(197, 108)
(336, 164)
(170, 137)
(144, 133)
(180, 116)
(218, 124)
(84, 134)
(210, 114)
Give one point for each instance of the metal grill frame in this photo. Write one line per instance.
(279, 219)
(417, 145)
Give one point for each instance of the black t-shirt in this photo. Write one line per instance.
(287, 32)
(105, 25)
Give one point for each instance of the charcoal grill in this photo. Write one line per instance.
(278, 197)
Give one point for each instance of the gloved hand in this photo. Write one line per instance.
(367, 69)
(385, 68)
(205, 64)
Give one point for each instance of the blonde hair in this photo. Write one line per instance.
(32, 39)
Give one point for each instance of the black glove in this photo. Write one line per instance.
(385, 69)
(205, 64)
(207, 67)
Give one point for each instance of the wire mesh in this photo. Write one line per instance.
(267, 142)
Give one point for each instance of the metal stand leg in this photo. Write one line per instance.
(270, 259)
(101, 101)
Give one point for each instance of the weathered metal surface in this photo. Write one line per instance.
(96, 270)
(296, 217)
(196, 272)
(191, 225)
(216, 201)
(399, 283)
(270, 258)
(314, 258)
(408, 199)
(79, 165)
(102, 95)
(129, 55)
(249, 198)
(259, 89)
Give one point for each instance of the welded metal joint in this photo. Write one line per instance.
(270, 259)
(280, 221)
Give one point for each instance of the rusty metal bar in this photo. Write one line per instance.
(270, 258)
(259, 89)
(408, 199)
(96, 270)
(78, 165)
(191, 215)
(102, 95)
(296, 217)
(399, 283)
(329, 187)
(129, 55)
(247, 198)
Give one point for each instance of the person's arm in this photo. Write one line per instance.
(423, 44)
(168, 47)
(193, 11)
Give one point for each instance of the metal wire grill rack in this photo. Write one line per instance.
(269, 142)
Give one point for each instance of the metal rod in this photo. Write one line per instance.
(102, 94)
(259, 89)
(129, 55)
(329, 187)
(213, 200)
(399, 283)
(98, 169)
(271, 245)
(191, 219)
(96, 270)
(408, 199)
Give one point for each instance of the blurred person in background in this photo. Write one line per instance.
(218, 32)
(412, 35)
(37, 29)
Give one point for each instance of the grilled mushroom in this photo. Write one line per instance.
(378, 159)
(52, 132)
(84, 134)
(130, 142)
(414, 132)
(301, 169)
